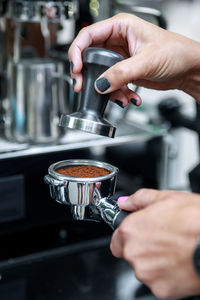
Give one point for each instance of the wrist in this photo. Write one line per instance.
(196, 258)
(191, 83)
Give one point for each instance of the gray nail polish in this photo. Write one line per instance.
(74, 81)
(72, 66)
(102, 84)
(133, 101)
(118, 102)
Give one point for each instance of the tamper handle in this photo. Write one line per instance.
(95, 62)
(89, 116)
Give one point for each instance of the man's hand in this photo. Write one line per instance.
(158, 240)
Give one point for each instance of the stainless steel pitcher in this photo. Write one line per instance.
(37, 96)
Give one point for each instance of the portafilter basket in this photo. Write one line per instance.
(90, 198)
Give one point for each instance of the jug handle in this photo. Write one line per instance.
(66, 78)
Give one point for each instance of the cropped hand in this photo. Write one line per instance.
(154, 58)
(158, 240)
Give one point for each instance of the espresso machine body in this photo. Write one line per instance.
(39, 88)
(44, 252)
(3, 60)
(35, 98)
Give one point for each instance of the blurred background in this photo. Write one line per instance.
(44, 253)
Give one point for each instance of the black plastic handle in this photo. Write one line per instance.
(120, 217)
(120, 214)
(95, 62)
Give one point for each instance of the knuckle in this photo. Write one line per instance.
(142, 274)
(112, 248)
(84, 29)
(121, 16)
(138, 274)
(83, 32)
(69, 53)
(167, 194)
(140, 193)
(161, 290)
(128, 256)
(119, 73)
(124, 230)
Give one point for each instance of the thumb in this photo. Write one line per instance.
(141, 199)
(122, 73)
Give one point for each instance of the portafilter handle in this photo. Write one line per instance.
(89, 116)
(110, 212)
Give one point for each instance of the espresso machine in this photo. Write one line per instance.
(38, 86)
(50, 250)
(3, 59)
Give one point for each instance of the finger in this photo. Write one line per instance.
(124, 96)
(77, 82)
(91, 35)
(133, 97)
(123, 72)
(116, 245)
(119, 98)
(141, 199)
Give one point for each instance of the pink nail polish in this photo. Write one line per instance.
(123, 198)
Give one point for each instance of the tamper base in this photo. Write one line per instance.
(88, 123)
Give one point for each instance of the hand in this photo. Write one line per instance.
(155, 58)
(158, 240)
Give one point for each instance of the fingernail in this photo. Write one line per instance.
(102, 84)
(72, 66)
(118, 102)
(133, 101)
(74, 81)
(122, 199)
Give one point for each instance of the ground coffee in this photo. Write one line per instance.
(83, 171)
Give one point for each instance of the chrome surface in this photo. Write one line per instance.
(88, 123)
(16, 45)
(36, 99)
(35, 11)
(3, 47)
(108, 210)
(88, 197)
(3, 69)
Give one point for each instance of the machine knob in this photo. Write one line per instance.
(89, 116)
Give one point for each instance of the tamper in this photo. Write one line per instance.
(89, 116)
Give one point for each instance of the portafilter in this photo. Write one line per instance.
(90, 198)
